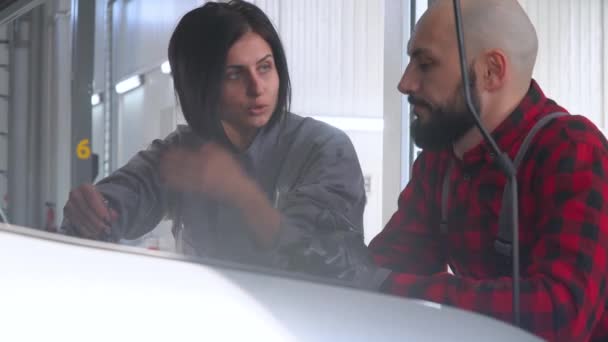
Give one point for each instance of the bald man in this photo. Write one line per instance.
(562, 180)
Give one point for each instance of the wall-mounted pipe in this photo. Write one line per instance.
(108, 108)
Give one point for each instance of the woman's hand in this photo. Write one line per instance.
(213, 171)
(209, 169)
(88, 212)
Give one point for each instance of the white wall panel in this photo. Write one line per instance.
(604, 62)
(141, 114)
(335, 51)
(143, 30)
(571, 61)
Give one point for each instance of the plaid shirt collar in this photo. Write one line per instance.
(514, 128)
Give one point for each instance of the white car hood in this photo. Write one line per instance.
(56, 288)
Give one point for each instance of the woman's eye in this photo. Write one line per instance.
(265, 68)
(233, 76)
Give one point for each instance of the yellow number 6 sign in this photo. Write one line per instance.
(83, 150)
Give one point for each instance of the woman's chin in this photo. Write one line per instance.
(258, 121)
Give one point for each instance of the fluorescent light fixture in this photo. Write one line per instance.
(165, 68)
(128, 84)
(351, 123)
(95, 99)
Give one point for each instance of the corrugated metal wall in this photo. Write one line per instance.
(4, 113)
(572, 53)
(335, 50)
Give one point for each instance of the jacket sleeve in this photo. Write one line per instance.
(136, 192)
(322, 209)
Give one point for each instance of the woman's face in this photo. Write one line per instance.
(250, 86)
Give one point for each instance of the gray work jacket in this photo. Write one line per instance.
(309, 171)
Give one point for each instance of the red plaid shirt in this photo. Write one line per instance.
(563, 220)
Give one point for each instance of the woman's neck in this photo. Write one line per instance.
(241, 138)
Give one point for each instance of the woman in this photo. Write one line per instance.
(246, 180)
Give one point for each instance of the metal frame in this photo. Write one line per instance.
(418, 8)
(396, 144)
(26, 73)
(60, 76)
(4, 134)
(83, 46)
(17, 9)
(110, 115)
(605, 69)
(17, 123)
(399, 151)
(36, 82)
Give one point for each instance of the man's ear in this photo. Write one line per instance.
(494, 70)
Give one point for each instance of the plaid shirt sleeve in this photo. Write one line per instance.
(407, 244)
(563, 288)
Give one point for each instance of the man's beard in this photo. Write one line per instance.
(446, 123)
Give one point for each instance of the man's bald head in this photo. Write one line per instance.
(490, 24)
(501, 48)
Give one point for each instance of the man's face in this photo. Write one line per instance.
(432, 81)
(439, 125)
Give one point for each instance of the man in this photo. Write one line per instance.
(563, 188)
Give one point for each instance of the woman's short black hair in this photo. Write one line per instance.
(197, 53)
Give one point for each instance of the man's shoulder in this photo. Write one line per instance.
(572, 129)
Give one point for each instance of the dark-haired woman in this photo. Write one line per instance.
(245, 180)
